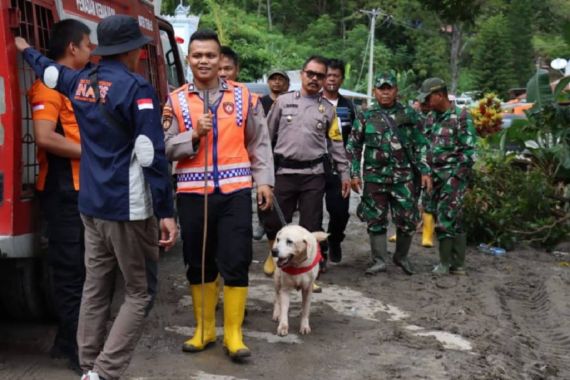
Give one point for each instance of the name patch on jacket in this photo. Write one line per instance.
(86, 93)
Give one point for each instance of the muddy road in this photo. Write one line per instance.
(509, 318)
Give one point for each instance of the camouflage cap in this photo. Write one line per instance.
(386, 77)
(429, 86)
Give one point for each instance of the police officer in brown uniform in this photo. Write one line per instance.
(304, 130)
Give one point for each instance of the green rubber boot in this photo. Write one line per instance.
(379, 250)
(445, 251)
(400, 258)
(458, 254)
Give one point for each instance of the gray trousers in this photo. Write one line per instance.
(109, 245)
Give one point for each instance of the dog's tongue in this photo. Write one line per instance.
(281, 262)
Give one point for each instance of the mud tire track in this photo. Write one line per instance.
(535, 337)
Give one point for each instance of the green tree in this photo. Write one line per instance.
(492, 56)
(456, 16)
(519, 21)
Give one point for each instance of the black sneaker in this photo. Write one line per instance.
(335, 252)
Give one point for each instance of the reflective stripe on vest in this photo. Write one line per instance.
(229, 167)
(185, 110)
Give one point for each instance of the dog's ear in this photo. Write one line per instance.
(302, 245)
(320, 235)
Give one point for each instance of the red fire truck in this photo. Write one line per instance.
(24, 276)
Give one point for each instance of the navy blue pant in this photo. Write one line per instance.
(66, 255)
(228, 246)
(337, 207)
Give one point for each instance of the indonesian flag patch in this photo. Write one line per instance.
(145, 104)
(38, 107)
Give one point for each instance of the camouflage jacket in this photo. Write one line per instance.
(385, 160)
(452, 139)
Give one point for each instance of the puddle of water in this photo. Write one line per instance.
(448, 340)
(201, 375)
(339, 298)
(336, 297)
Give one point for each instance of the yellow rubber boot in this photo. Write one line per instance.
(317, 288)
(428, 230)
(234, 308)
(269, 264)
(198, 342)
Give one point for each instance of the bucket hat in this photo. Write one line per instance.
(119, 34)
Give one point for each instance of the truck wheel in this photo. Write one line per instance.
(21, 295)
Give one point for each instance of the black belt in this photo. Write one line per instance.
(287, 163)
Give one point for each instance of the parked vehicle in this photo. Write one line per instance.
(464, 101)
(513, 111)
(24, 276)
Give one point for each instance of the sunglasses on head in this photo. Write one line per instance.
(313, 74)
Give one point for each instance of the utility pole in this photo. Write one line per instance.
(372, 14)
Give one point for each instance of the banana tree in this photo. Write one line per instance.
(545, 134)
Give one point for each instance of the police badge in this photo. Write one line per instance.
(321, 108)
(228, 108)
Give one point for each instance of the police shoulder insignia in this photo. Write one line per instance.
(167, 115)
(228, 107)
(297, 94)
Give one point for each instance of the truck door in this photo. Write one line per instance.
(174, 62)
(23, 275)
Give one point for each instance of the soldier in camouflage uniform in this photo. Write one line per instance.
(453, 139)
(428, 221)
(394, 158)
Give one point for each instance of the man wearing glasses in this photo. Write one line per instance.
(303, 127)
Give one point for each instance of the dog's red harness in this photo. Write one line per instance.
(299, 270)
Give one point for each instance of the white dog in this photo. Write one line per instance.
(298, 254)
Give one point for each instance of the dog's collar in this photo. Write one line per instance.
(300, 270)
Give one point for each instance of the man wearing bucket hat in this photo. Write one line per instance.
(453, 139)
(124, 184)
(394, 158)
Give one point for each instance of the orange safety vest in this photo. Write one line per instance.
(229, 168)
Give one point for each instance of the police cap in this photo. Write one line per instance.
(119, 34)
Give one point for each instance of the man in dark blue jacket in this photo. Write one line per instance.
(124, 184)
(337, 205)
